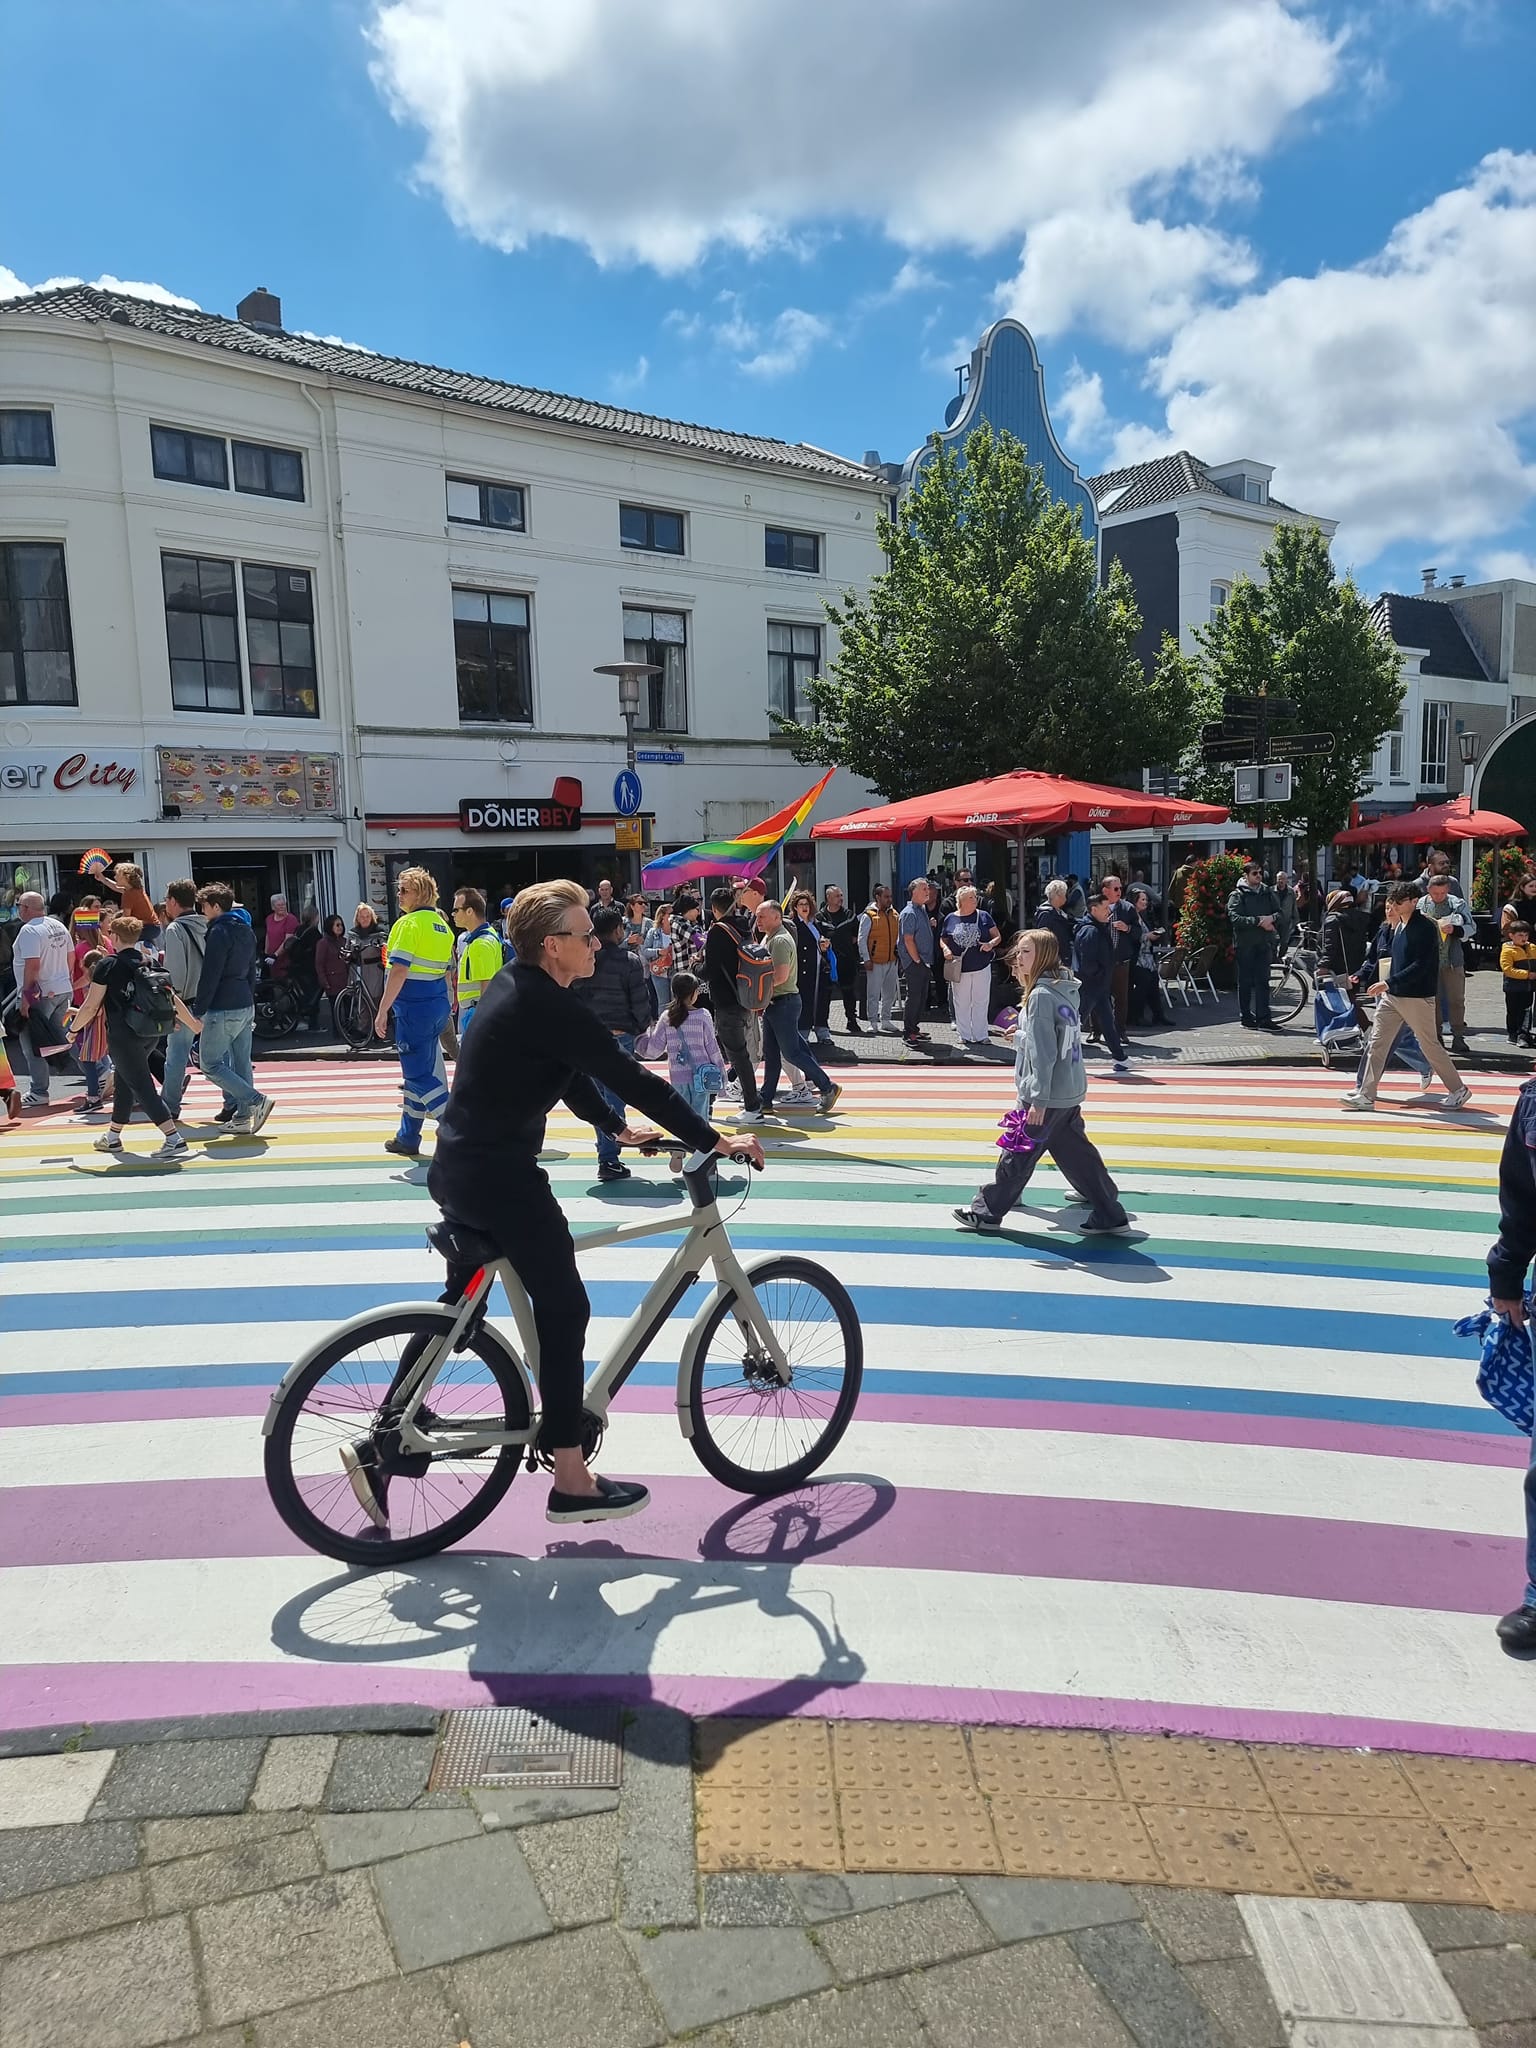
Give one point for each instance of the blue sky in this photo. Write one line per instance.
(1250, 227)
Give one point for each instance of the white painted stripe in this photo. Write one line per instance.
(1256, 1479)
(1243, 1652)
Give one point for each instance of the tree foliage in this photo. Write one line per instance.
(988, 643)
(1305, 635)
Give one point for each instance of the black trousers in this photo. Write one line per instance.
(1517, 1004)
(917, 973)
(731, 1030)
(132, 1081)
(1064, 1136)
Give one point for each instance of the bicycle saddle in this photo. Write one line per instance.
(460, 1245)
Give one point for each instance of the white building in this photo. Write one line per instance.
(294, 615)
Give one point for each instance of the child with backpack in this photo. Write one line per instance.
(91, 1043)
(134, 993)
(686, 1034)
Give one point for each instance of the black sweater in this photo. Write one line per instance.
(1415, 969)
(535, 1044)
(1510, 1258)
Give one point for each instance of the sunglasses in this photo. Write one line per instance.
(568, 932)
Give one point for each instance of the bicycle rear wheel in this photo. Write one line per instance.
(339, 1406)
(355, 1014)
(751, 1431)
(277, 1013)
(1289, 994)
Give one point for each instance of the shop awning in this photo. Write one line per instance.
(1454, 820)
(1022, 802)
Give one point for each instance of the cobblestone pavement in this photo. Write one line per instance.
(234, 1889)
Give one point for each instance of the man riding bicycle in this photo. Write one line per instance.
(536, 1043)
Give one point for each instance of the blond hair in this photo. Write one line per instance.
(422, 880)
(1044, 958)
(125, 931)
(130, 876)
(538, 914)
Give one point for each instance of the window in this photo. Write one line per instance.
(1435, 744)
(1396, 739)
(659, 533)
(1254, 491)
(203, 633)
(1220, 592)
(662, 639)
(794, 656)
(26, 436)
(280, 640)
(185, 458)
(491, 648)
(268, 472)
(37, 662)
(784, 550)
(473, 504)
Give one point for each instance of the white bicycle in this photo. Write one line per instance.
(440, 1404)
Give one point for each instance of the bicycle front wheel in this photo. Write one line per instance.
(277, 1015)
(354, 1015)
(751, 1431)
(1289, 994)
(336, 1419)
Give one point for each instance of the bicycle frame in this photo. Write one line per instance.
(706, 1243)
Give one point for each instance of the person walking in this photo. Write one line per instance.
(1093, 963)
(10, 1094)
(368, 950)
(1448, 910)
(140, 1006)
(416, 995)
(40, 961)
(1509, 1265)
(685, 1033)
(811, 948)
(917, 950)
(1051, 1081)
(783, 1042)
(1408, 995)
(879, 937)
(1346, 936)
(478, 955)
(723, 945)
(656, 953)
(225, 1009)
(1517, 965)
(1126, 926)
(841, 928)
(333, 959)
(969, 939)
(186, 941)
(1254, 914)
(616, 991)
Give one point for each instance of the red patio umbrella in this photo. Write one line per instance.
(1454, 820)
(1016, 805)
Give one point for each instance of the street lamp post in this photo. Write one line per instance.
(629, 674)
(1469, 745)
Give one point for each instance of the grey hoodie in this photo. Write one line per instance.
(184, 943)
(1048, 1050)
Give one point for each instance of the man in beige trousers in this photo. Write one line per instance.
(1408, 995)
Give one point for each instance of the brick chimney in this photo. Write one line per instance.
(263, 309)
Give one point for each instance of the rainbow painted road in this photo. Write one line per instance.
(1232, 1478)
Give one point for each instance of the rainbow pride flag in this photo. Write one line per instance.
(741, 858)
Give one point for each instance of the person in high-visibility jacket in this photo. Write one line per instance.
(478, 954)
(416, 990)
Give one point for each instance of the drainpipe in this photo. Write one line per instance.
(353, 830)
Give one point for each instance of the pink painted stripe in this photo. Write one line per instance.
(60, 1695)
(1195, 1425)
(852, 1519)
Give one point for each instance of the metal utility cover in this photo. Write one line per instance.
(511, 1747)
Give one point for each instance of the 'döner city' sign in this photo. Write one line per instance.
(25, 774)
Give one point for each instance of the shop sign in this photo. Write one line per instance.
(94, 774)
(208, 782)
(512, 814)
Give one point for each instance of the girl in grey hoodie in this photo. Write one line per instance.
(1051, 1082)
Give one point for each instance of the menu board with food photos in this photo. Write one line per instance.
(204, 782)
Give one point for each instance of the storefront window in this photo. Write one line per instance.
(20, 872)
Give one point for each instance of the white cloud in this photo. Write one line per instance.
(791, 339)
(734, 331)
(686, 326)
(624, 383)
(1390, 395)
(1501, 562)
(913, 276)
(540, 117)
(1134, 281)
(335, 341)
(1081, 410)
(11, 287)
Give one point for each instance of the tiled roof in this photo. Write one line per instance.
(1160, 482)
(1429, 622)
(237, 337)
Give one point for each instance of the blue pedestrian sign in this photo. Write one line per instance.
(626, 793)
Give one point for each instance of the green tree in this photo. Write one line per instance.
(1305, 635)
(989, 643)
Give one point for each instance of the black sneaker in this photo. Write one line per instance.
(972, 1219)
(1103, 1226)
(1517, 1632)
(401, 1149)
(617, 1171)
(228, 1113)
(613, 1500)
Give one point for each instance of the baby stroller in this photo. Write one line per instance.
(1335, 1021)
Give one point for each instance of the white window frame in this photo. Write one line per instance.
(1434, 732)
(797, 707)
(1218, 604)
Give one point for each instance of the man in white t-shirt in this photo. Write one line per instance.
(40, 963)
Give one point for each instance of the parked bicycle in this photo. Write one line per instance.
(441, 1403)
(355, 1008)
(278, 1009)
(1293, 976)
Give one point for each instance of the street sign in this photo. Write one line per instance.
(626, 792)
(1298, 744)
(1271, 708)
(628, 834)
(1228, 750)
(1230, 729)
(1262, 785)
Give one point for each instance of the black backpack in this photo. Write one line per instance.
(151, 1006)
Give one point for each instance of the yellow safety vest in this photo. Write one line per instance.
(479, 964)
(422, 943)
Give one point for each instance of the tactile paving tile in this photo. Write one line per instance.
(1382, 1857)
(1093, 1838)
(1044, 1763)
(1205, 1848)
(793, 1754)
(1364, 1967)
(1335, 1781)
(947, 1832)
(1176, 1770)
(1503, 1860)
(767, 1827)
(1471, 1790)
(889, 1756)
